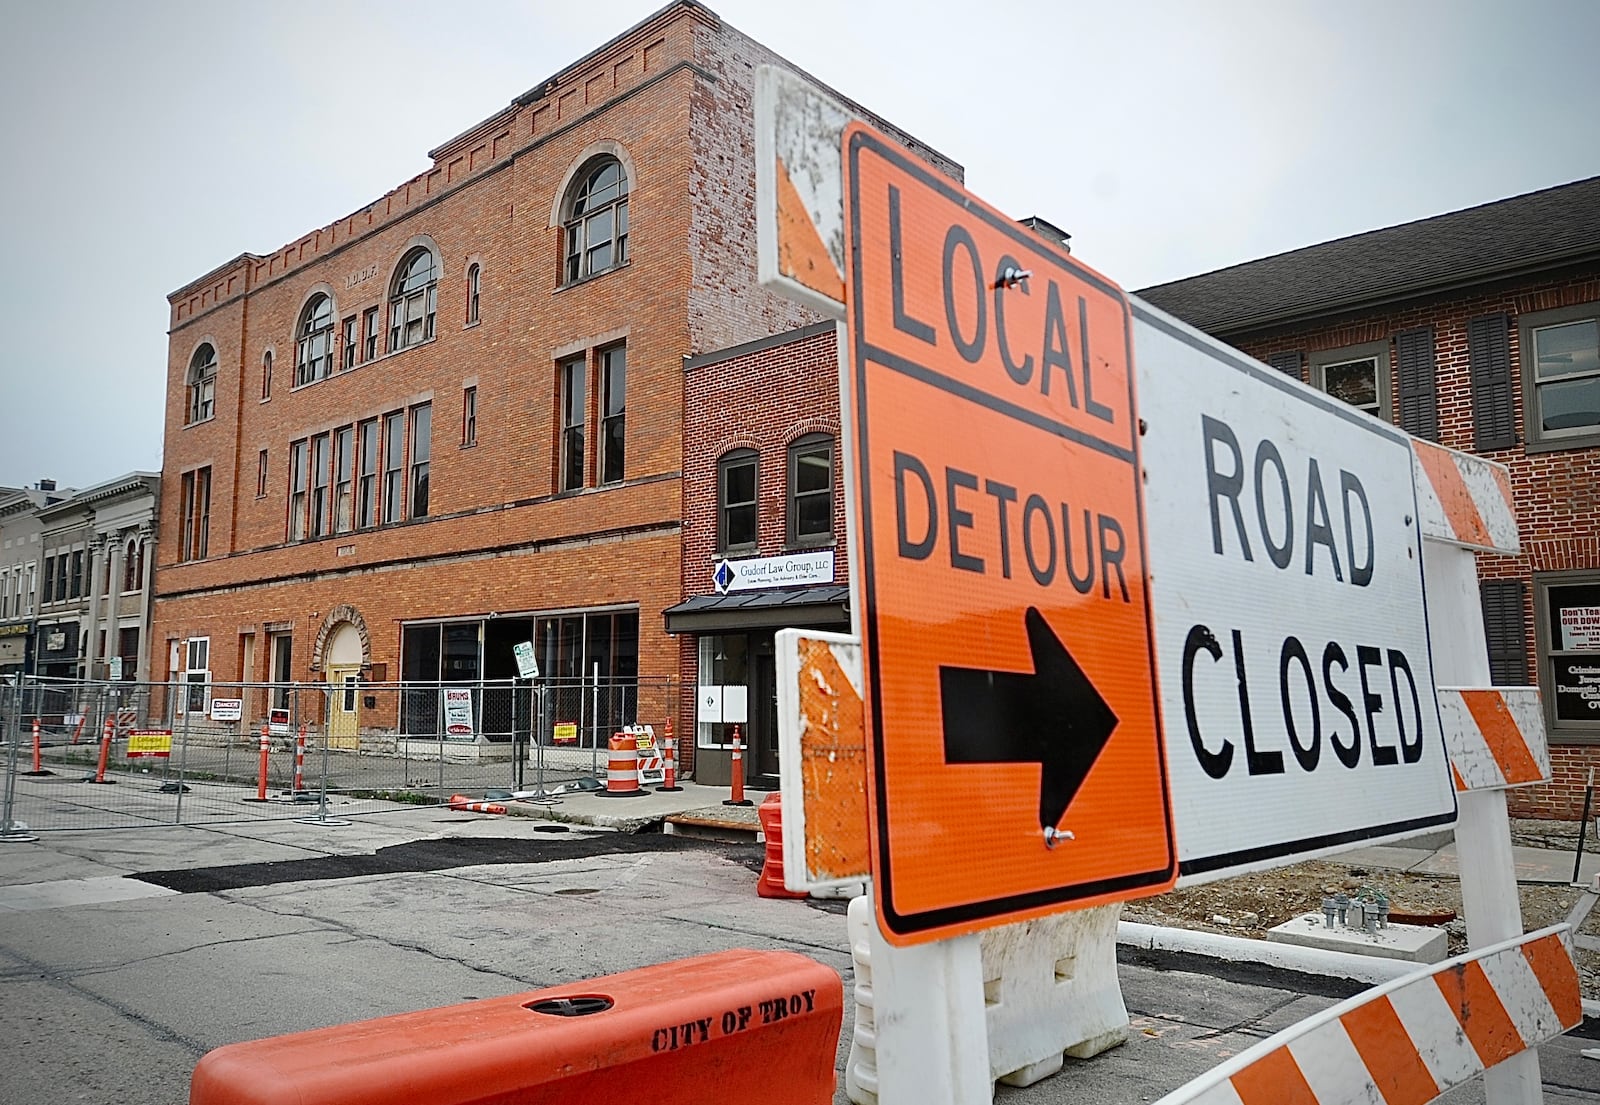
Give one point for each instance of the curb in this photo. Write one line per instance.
(1237, 949)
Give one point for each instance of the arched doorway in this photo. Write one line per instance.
(341, 664)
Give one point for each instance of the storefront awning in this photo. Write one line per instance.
(799, 606)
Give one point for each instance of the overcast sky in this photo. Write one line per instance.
(147, 142)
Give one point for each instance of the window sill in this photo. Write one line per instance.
(469, 444)
(738, 552)
(360, 364)
(200, 421)
(473, 325)
(1562, 444)
(593, 276)
(815, 545)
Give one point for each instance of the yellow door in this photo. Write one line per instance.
(343, 716)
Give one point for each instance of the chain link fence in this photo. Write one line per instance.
(91, 755)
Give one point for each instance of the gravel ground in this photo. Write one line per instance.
(1251, 904)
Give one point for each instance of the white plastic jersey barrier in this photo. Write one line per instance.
(1408, 1041)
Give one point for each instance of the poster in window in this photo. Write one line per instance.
(1577, 686)
(458, 712)
(1580, 628)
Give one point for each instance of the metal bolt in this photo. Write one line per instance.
(1011, 276)
(1053, 834)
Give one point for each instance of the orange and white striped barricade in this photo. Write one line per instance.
(1408, 1041)
(651, 766)
(622, 768)
(1495, 735)
(464, 804)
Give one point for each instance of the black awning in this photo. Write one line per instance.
(793, 607)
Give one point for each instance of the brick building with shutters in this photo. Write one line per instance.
(1479, 329)
(453, 420)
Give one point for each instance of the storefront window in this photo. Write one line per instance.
(1570, 615)
(724, 690)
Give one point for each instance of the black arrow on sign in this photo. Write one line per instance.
(1052, 716)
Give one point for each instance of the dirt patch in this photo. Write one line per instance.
(1251, 904)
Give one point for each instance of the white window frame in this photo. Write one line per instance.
(196, 649)
(1376, 351)
(1528, 326)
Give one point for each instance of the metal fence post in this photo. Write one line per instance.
(13, 831)
(183, 764)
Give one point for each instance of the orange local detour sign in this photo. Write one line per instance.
(1014, 738)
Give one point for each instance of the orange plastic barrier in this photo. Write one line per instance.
(770, 885)
(622, 768)
(737, 1026)
(465, 804)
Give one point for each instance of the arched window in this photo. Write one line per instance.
(472, 294)
(266, 375)
(736, 501)
(412, 299)
(597, 220)
(313, 350)
(132, 565)
(203, 383)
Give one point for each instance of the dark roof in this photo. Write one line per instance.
(1511, 237)
(795, 606)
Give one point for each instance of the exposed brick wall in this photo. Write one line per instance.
(763, 401)
(1557, 493)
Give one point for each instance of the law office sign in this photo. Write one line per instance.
(760, 573)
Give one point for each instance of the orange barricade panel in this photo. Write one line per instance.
(731, 1026)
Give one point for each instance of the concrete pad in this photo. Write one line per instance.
(75, 892)
(1415, 943)
(1384, 857)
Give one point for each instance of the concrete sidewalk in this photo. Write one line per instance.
(1534, 865)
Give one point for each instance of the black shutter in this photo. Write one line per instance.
(1419, 397)
(1287, 363)
(1507, 631)
(1489, 361)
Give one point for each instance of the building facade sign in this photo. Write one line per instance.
(763, 572)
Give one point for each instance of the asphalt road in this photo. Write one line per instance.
(112, 987)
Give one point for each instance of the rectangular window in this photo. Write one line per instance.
(573, 402)
(367, 474)
(76, 590)
(197, 674)
(469, 416)
(421, 452)
(1567, 606)
(1561, 376)
(371, 329)
(1358, 375)
(472, 295)
(319, 485)
(266, 375)
(343, 445)
(736, 480)
(261, 474)
(811, 491)
(613, 418)
(195, 521)
(49, 578)
(394, 467)
(299, 482)
(280, 653)
(352, 343)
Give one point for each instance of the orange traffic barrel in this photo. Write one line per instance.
(770, 885)
(622, 767)
(739, 1026)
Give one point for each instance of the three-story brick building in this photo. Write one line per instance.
(453, 420)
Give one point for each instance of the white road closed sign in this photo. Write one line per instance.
(1297, 687)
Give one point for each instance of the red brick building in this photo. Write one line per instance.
(763, 535)
(1479, 329)
(453, 420)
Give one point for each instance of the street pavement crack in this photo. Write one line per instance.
(1245, 1025)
